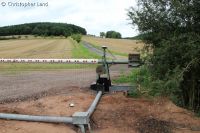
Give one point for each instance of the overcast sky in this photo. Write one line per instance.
(94, 15)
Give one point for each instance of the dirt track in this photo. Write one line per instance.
(35, 84)
(32, 83)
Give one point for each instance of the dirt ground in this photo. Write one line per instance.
(115, 113)
(50, 93)
(22, 85)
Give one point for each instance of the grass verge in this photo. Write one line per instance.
(79, 51)
(6, 67)
(139, 77)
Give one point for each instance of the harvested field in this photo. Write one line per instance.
(42, 48)
(120, 46)
(36, 48)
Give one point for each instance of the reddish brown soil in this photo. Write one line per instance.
(119, 114)
(115, 114)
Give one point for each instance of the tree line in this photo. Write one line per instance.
(111, 34)
(42, 29)
(171, 31)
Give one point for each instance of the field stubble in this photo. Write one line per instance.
(36, 48)
(117, 46)
(41, 48)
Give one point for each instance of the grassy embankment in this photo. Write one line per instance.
(79, 51)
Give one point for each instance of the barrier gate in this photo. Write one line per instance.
(103, 80)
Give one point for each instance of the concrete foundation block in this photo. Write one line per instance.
(80, 118)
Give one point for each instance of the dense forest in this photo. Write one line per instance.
(42, 29)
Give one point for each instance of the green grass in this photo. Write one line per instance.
(137, 77)
(127, 78)
(79, 51)
(37, 67)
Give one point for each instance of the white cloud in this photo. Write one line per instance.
(94, 15)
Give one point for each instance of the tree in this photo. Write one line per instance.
(113, 34)
(172, 29)
(27, 30)
(36, 31)
(102, 34)
(57, 31)
(77, 37)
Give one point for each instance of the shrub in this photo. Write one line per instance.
(19, 37)
(171, 29)
(77, 37)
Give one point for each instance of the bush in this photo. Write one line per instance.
(77, 37)
(171, 31)
(139, 77)
(19, 37)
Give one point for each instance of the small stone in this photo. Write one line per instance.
(71, 105)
